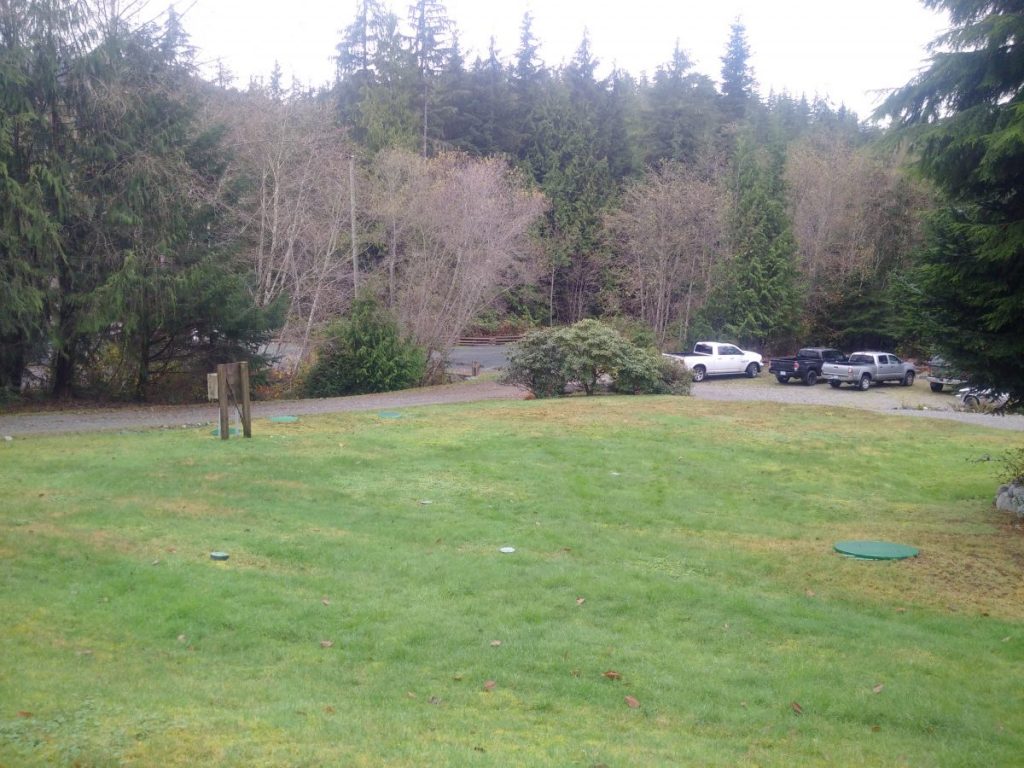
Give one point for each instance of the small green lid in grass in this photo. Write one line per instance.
(231, 431)
(284, 419)
(875, 550)
(389, 415)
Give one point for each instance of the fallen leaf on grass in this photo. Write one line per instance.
(325, 601)
(580, 600)
(326, 643)
(876, 728)
(182, 639)
(809, 592)
(457, 678)
(490, 685)
(329, 710)
(611, 674)
(495, 643)
(23, 713)
(632, 703)
(878, 688)
(795, 706)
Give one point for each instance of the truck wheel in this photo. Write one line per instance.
(835, 384)
(782, 379)
(908, 379)
(752, 370)
(865, 383)
(936, 386)
(699, 372)
(811, 378)
(972, 402)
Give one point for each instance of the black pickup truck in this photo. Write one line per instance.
(806, 365)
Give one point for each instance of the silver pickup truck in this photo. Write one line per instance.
(862, 369)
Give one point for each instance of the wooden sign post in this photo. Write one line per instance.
(233, 384)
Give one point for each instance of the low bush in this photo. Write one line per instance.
(588, 353)
(365, 353)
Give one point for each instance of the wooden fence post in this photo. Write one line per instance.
(222, 399)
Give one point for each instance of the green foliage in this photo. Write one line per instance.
(964, 117)
(365, 353)
(1013, 466)
(737, 77)
(756, 297)
(645, 371)
(547, 362)
(536, 364)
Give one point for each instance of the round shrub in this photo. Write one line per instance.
(365, 353)
(590, 353)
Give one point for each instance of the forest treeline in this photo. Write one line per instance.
(154, 221)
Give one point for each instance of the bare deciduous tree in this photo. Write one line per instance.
(669, 233)
(852, 214)
(458, 232)
(295, 221)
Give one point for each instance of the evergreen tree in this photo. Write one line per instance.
(116, 182)
(756, 297)
(679, 115)
(431, 48)
(389, 110)
(35, 49)
(737, 76)
(964, 117)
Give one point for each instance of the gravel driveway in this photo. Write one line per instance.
(172, 416)
(916, 401)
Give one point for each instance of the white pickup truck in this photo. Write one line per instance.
(713, 358)
(862, 369)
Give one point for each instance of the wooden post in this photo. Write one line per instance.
(243, 374)
(222, 399)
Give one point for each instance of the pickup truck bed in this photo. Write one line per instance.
(862, 369)
(805, 365)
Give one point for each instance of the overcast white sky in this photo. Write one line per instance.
(846, 49)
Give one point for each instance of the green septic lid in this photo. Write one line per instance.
(284, 419)
(389, 415)
(231, 431)
(875, 550)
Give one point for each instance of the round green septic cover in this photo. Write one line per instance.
(875, 550)
(284, 419)
(231, 431)
(390, 415)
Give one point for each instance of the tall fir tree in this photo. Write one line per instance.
(755, 299)
(964, 118)
(737, 75)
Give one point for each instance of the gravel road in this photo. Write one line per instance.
(78, 419)
(916, 401)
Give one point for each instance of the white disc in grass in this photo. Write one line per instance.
(507, 550)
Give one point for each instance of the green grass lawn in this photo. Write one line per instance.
(671, 553)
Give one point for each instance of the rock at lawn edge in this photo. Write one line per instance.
(1010, 498)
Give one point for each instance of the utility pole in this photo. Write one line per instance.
(352, 217)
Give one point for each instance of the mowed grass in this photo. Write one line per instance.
(674, 551)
